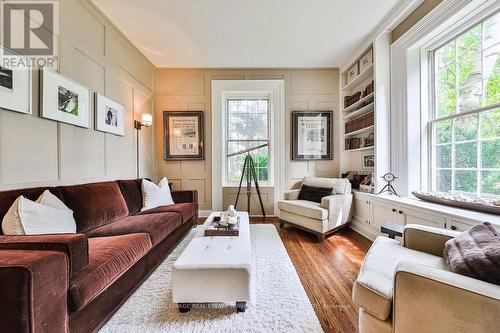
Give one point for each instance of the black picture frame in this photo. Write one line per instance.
(171, 153)
(326, 135)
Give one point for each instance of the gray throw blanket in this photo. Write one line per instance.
(475, 253)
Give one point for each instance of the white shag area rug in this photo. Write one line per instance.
(279, 302)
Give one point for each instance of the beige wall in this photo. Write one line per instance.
(190, 90)
(36, 151)
(414, 17)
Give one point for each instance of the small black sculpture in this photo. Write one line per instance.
(389, 178)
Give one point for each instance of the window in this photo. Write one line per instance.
(247, 126)
(465, 120)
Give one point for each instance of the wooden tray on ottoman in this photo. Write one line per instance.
(215, 229)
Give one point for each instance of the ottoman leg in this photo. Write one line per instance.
(241, 306)
(184, 307)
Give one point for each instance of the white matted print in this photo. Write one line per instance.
(109, 116)
(15, 84)
(368, 161)
(64, 100)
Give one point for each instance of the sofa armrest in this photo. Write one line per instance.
(428, 299)
(291, 195)
(34, 286)
(75, 246)
(427, 239)
(185, 196)
(339, 209)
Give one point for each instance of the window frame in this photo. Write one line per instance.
(226, 180)
(428, 57)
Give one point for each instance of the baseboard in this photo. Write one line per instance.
(362, 230)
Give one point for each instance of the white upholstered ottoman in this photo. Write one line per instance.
(214, 269)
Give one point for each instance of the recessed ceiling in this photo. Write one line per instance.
(246, 34)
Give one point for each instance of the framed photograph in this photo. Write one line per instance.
(183, 135)
(109, 115)
(368, 161)
(312, 135)
(366, 61)
(15, 85)
(352, 72)
(63, 99)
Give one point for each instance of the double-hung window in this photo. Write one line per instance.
(465, 119)
(247, 126)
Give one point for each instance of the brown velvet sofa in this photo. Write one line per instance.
(76, 282)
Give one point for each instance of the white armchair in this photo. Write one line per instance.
(323, 218)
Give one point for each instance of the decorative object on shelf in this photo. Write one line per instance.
(350, 100)
(369, 89)
(146, 121)
(352, 72)
(109, 115)
(366, 60)
(460, 200)
(183, 135)
(312, 135)
(389, 178)
(359, 123)
(366, 184)
(368, 161)
(63, 99)
(248, 171)
(370, 140)
(15, 85)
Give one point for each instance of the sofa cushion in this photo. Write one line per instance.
(314, 193)
(339, 185)
(95, 204)
(157, 226)
(132, 193)
(109, 257)
(373, 288)
(186, 210)
(304, 208)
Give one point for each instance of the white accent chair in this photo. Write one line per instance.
(323, 218)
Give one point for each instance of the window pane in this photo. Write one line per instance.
(491, 65)
(445, 56)
(491, 30)
(466, 181)
(446, 93)
(469, 56)
(443, 131)
(490, 124)
(443, 181)
(466, 155)
(470, 96)
(247, 126)
(466, 128)
(490, 182)
(443, 156)
(490, 154)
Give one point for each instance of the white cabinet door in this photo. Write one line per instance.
(459, 225)
(362, 210)
(412, 216)
(383, 212)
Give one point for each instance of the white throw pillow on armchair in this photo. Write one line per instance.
(156, 195)
(48, 215)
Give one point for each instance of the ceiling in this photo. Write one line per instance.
(246, 34)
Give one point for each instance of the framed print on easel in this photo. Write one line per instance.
(312, 135)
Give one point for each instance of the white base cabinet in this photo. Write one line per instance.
(371, 211)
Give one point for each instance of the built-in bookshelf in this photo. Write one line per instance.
(364, 105)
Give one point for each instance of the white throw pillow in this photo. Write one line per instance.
(156, 195)
(48, 215)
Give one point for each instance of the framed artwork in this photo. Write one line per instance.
(63, 99)
(368, 161)
(352, 72)
(366, 60)
(15, 85)
(109, 115)
(183, 135)
(312, 135)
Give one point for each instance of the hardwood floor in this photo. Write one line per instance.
(327, 272)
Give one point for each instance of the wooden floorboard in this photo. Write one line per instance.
(327, 271)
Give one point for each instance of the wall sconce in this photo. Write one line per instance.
(146, 121)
